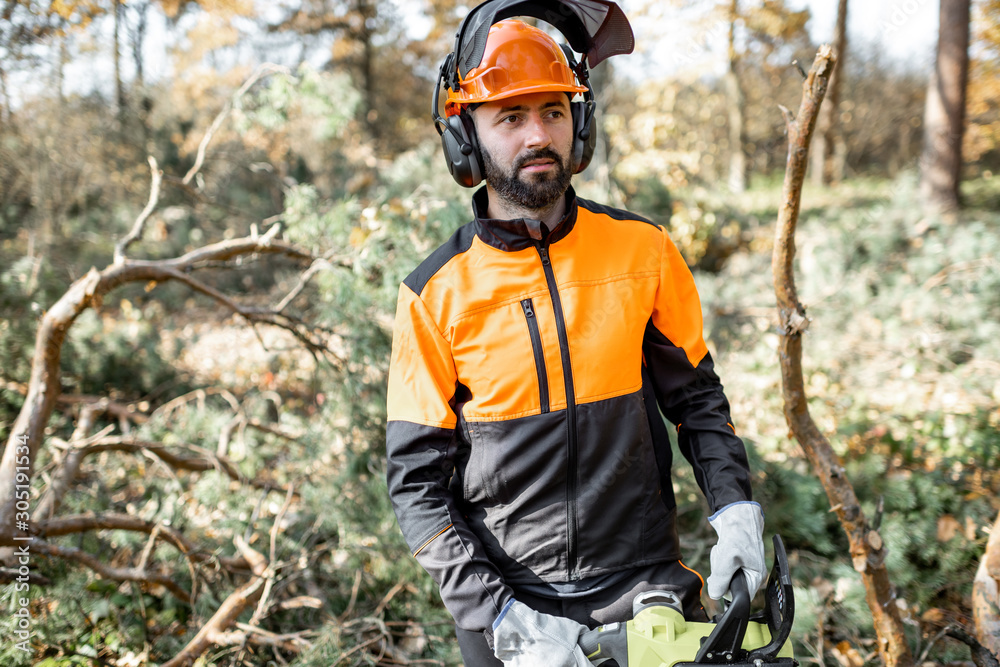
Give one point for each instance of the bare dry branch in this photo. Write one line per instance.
(261, 71)
(127, 411)
(207, 461)
(304, 279)
(9, 575)
(54, 493)
(981, 655)
(136, 574)
(868, 551)
(80, 523)
(200, 395)
(354, 597)
(44, 386)
(273, 430)
(390, 595)
(300, 602)
(294, 642)
(215, 630)
(136, 232)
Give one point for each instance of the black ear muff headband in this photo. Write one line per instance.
(598, 29)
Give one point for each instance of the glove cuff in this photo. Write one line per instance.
(753, 503)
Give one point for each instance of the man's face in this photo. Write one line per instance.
(526, 143)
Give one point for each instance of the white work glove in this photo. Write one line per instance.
(740, 527)
(523, 637)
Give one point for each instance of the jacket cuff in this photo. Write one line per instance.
(472, 588)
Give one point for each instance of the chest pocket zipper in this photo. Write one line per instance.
(536, 347)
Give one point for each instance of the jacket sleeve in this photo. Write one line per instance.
(687, 388)
(420, 429)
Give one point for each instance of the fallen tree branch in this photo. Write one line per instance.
(44, 384)
(215, 631)
(981, 655)
(293, 642)
(136, 232)
(80, 523)
(9, 575)
(126, 411)
(868, 550)
(209, 461)
(273, 430)
(199, 395)
(140, 575)
(52, 498)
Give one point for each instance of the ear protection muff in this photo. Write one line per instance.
(584, 127)
(460, 142)
(461, 150)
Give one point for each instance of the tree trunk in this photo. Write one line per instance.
(867, 550)
(5, 114)
(829, 153)
(944, 114)
(986, 594)
(737, 107)
(368, 12)
(137, 37)
(60, 73)
(119, 84)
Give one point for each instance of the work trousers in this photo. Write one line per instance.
(603, 606)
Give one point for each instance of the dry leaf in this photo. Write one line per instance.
(947, 527)
(847, 655)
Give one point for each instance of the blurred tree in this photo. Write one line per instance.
(370, 43)
(944, 115)
(828, 158)
(116, 52)
(982, 135)
(737, 108)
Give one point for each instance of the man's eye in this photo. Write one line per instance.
(509, 119)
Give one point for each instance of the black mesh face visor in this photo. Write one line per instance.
(596, 28)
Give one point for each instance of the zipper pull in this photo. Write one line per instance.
(528, 311)
(544, 252)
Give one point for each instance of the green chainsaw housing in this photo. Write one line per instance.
(659, 636)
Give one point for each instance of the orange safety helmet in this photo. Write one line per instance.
(518, 59)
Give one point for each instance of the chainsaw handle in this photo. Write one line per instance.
(726, 641)
(608, 642)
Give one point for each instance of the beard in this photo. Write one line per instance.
(540, 190)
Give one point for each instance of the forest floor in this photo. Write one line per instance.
(901, 361)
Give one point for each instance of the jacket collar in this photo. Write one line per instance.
(520, 233)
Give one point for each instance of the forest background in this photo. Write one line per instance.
(210, 485)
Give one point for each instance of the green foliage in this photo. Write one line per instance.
(324, 101)
(118, 354)
(902, 336)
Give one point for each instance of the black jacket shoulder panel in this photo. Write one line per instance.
(459, 243)
(615, 213)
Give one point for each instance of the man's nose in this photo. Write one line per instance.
(538, 133)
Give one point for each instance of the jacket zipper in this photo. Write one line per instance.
(572, 527)
(536, 347)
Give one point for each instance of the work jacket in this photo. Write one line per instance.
(524, 442)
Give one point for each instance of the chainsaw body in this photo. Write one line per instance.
(659, 636)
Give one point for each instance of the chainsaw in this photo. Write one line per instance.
(658, 635)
